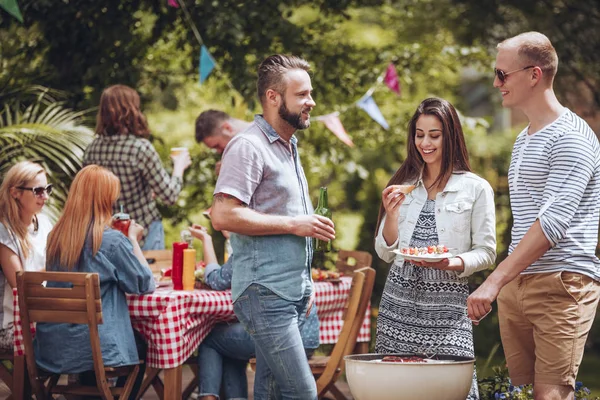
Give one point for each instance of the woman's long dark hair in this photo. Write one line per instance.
(454, 151)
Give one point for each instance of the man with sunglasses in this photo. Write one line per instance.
(549, 285)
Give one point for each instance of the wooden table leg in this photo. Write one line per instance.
(361, 348)
(173, 382)
(18, 377)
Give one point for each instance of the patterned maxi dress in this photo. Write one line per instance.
(424, 309)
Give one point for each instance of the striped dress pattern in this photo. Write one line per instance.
(423, 310)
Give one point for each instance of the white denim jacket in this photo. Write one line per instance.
(465, 218)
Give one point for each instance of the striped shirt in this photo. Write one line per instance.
(554, 176)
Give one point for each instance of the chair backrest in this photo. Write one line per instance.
(331, 371)
(78, 304)
(162, 259)
(365, 299)
(350, 260)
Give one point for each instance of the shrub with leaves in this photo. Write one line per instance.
(499, 386)
(35, 126)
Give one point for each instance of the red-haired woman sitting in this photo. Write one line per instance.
(83, 241)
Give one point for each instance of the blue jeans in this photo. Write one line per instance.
(155, 239)
(282, 370)
(222, 357)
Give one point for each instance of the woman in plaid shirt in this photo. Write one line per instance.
(122, 146)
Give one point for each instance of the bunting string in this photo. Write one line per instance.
(332, 120)
(206, 62)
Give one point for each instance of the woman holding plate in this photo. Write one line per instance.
(433, 200)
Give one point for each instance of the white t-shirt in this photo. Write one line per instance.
(36, 261)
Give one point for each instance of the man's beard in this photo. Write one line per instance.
(294, 119)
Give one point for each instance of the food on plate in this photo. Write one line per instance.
(440, 249)
(323, 275)
(162, 280)
(333, 275)
(406, 189)
(398, 359)
(199, 274)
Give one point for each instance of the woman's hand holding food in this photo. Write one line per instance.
(200, 232)
(447, 264)
(392, 197)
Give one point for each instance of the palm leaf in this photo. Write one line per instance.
(43, 130)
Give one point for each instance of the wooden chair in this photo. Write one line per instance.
(349, 260)
(15, 378)
(7, 375)
(327, 369)
(79, 304)
(153, 379)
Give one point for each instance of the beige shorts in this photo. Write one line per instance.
(544, 323)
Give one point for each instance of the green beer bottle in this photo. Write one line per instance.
(323, 209)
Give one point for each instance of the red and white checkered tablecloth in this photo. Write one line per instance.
(175, 322)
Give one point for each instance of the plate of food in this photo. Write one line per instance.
(162, 281)
(321, 275)
(427, 254)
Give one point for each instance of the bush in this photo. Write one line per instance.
(499, 386)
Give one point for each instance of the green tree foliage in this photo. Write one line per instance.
(35, 126)
(571, 25)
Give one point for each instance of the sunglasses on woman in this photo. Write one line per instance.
(38, 191)
(503, 75)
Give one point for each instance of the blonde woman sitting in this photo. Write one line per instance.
(23, 233)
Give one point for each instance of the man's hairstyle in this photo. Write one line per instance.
(272, 70)
(535, 49)
(207, 123)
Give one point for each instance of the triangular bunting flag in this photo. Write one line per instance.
(391, 78)
(206, 64)
(11, 7)
(333, 123)
(368, 104)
